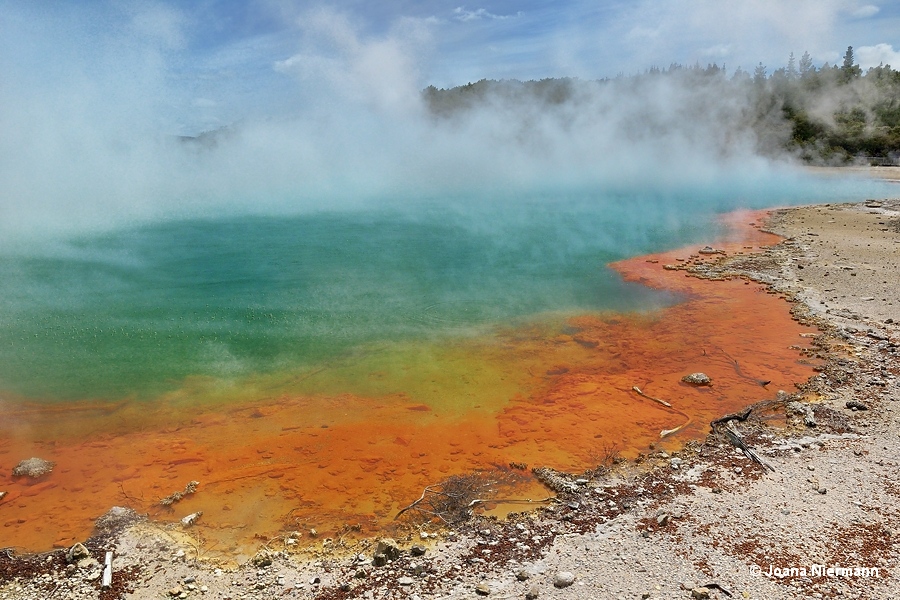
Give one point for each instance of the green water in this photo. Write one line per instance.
(134, 311)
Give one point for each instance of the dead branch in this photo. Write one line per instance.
(171, 499)
(740, 373)
(640, 393)
(727, 429)
(665, 432)
(453, 499)
(738, 416)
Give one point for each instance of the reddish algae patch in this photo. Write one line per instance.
(345, 464)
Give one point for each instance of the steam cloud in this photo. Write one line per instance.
(92, 146)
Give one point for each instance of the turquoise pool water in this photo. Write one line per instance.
(132, 312)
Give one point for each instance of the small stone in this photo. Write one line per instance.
(697, 379)
(417, 550)
(389, 548)
(263, 559)
(700, 593)
(522, 575)
(822, 490)
(662, 520)
(175, 592)
(117, 518)
(406, 581)
(346, 587)
(33, 467)
(76, 553)
(191, 518)
(563, 579)
(532, 593)
(88, 564)
(856, 405)
(483, 589)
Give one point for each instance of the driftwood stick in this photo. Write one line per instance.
(737, 369)
(727, 429)
(640, 393)
(510, 501)
(665, 432)
(413, 505)
(738, 416)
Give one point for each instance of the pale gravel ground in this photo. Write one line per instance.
(756, 520)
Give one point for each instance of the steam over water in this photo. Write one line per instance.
(132, 312)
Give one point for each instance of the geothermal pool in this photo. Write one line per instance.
(318, 370)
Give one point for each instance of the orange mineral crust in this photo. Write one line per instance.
(346, 463)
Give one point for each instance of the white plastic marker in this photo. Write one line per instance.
(107, 571)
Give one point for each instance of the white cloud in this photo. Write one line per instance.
(717, 51)
(463, 14)
(865, 11)
(345, 65)
(872, 56)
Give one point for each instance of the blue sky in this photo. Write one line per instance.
(197, 64)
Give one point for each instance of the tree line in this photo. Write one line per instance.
(832, 114)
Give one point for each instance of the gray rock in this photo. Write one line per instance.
(89, 564)
(700, 593)
(77, 553)
(483, 589)
(532, 593)
(697, 379)
(263, 559)
(856, 405)
(192, 518)
(117, 518)
(33, 467)
(389, 548)
(563, 579)
(406, 581)
(379, 560)
(522, 575)
(417, 550)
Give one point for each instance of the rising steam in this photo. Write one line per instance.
(97, 143)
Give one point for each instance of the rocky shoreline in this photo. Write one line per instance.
(705, 522)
